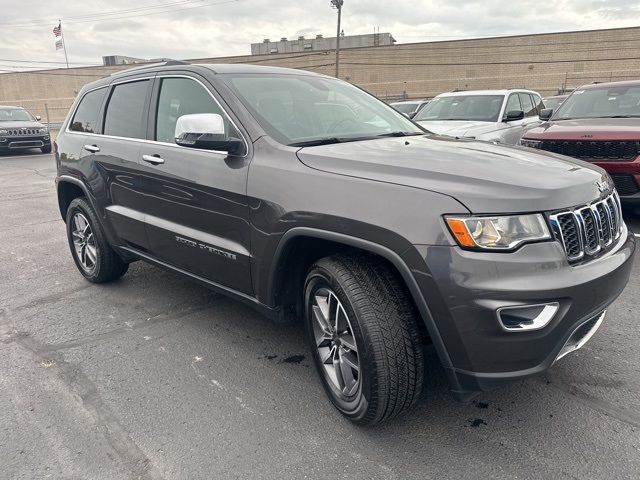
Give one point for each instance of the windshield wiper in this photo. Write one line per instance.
(622, 116)
(317, 141)
(399, 134)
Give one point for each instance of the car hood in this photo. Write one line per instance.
(486, 178)
(25, 124)
(587, 129)
(455, 128)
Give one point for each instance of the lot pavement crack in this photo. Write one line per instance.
(174, 312)
(106, 422)
(621, 414)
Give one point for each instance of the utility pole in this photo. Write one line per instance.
(338, 4)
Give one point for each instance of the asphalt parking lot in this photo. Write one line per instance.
(156, 377)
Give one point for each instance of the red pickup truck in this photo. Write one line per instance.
(598, 123)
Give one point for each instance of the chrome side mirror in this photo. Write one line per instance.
(206, 131)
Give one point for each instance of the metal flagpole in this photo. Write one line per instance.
(64, 43)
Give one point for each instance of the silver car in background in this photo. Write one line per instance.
(500, 116)
(410, 108)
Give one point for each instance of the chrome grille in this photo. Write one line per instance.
(585, 231)
(22, 132)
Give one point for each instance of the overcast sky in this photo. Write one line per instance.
(204, 28)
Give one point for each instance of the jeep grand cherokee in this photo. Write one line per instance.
(20, 130)
(305, 197)
(598, 123)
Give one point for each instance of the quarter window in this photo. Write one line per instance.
(528, 107)
(88, 111)
(178, 97)
(125, 115)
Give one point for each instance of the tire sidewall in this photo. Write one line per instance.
(357, 407)
(79, 206)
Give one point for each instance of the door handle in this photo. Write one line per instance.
(153, 159)
(92, 148)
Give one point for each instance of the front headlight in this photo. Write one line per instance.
(3, 131)
(42, 130)
(498, 232)
(530, 143)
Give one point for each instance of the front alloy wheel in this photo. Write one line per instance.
(336, 344)
(361, 327)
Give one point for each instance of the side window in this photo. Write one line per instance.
(538, 103)
(125, 116)
(88, 111)
(527, 105)
(181, 96)
(513, 103)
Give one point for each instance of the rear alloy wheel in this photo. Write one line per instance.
(361, 327)
(84, 242)
(93, 255)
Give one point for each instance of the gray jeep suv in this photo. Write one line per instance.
(305, 197)
(19, 130)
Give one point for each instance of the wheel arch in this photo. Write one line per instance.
(287, 255)
(68, 189)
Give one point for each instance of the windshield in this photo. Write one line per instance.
(298, 110)
(15, 115)
(482, 108)
(405, 107)
(601, 103)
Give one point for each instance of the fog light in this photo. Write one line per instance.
(526, 318)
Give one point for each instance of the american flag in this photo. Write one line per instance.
(59, 45)
(57, 31)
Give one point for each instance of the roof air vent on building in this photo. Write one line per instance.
(283, 39)
(319, 35)
(266, 40)
(301, 37)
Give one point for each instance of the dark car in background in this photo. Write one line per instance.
(410, 108)
(20, 130)
(307, 198)
(598, 123)
(554, 101)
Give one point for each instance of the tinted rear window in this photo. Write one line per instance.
(125, 115)
(87, 114)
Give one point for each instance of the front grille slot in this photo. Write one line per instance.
(593, 150)
(22, 132)
(586, 231)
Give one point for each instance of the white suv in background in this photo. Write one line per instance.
(500, 116)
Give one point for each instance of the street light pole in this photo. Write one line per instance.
(338, 4)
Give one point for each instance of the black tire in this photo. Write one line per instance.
(46, 149)
(383, 321)
(108, 265)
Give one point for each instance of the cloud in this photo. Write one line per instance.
(226, 29)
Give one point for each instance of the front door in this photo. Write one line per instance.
(196, 211)
(514, 128)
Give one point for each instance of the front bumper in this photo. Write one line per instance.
(24, 142)
(464, 290)
(626, 176)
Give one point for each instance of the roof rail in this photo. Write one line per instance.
(168, 63)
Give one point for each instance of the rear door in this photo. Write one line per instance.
(115, 154)
(195, 200)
